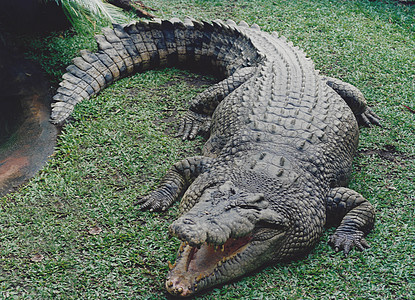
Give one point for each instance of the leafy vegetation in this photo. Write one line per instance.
(85, 14)
(73, 231)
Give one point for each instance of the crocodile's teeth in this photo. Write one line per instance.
(200, 277)
(170, 265)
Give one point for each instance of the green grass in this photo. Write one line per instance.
(121, 142)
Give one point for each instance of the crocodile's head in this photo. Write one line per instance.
(227, 234)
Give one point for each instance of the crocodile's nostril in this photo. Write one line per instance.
(188, 222)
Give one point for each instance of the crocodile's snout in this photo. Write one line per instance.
(215, 219)
(178, 288)
(189, 231)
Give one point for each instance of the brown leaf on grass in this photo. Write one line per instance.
(408, 108)
(95, 230)
(37, 257)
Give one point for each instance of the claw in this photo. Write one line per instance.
(139, 200)
(146, 203)
(195, 130)
(181, 129)
(373, 118)
(347, 248)
(191, 125)
(158, 200)
(359, 246)
(369, 118)
(145, 206)
(347, 240)
(364, 243)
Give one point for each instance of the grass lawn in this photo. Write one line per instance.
(72, 232)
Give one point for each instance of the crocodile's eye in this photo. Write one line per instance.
(271, 225)
(267, 230)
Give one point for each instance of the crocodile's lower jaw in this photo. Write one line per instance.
(198, 266)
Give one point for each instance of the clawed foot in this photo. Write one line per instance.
(368, 118)
(347, 240)
(156, 201)
(192, 124)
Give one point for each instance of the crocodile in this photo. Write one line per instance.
(278, 157)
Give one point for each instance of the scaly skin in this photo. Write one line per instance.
(282, 140)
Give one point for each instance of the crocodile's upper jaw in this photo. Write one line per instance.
(199, 268)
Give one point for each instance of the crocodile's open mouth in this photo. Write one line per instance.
(194, 265)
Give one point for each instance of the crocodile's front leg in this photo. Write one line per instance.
(175, 183)
(355, 100)
(203, 105)
(355, 215)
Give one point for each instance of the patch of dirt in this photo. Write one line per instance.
(171, 117)
(194, 80)
(172, 120)
(27, 138)
(389, 153)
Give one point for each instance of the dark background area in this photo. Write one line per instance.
(28, 16)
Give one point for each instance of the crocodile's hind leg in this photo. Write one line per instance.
(355, 215)
(356, 101)
(175, 183)
(203, 105)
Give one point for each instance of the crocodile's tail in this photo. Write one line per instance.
(144, 45)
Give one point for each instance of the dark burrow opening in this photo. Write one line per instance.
(27, 138)
(11, 115)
